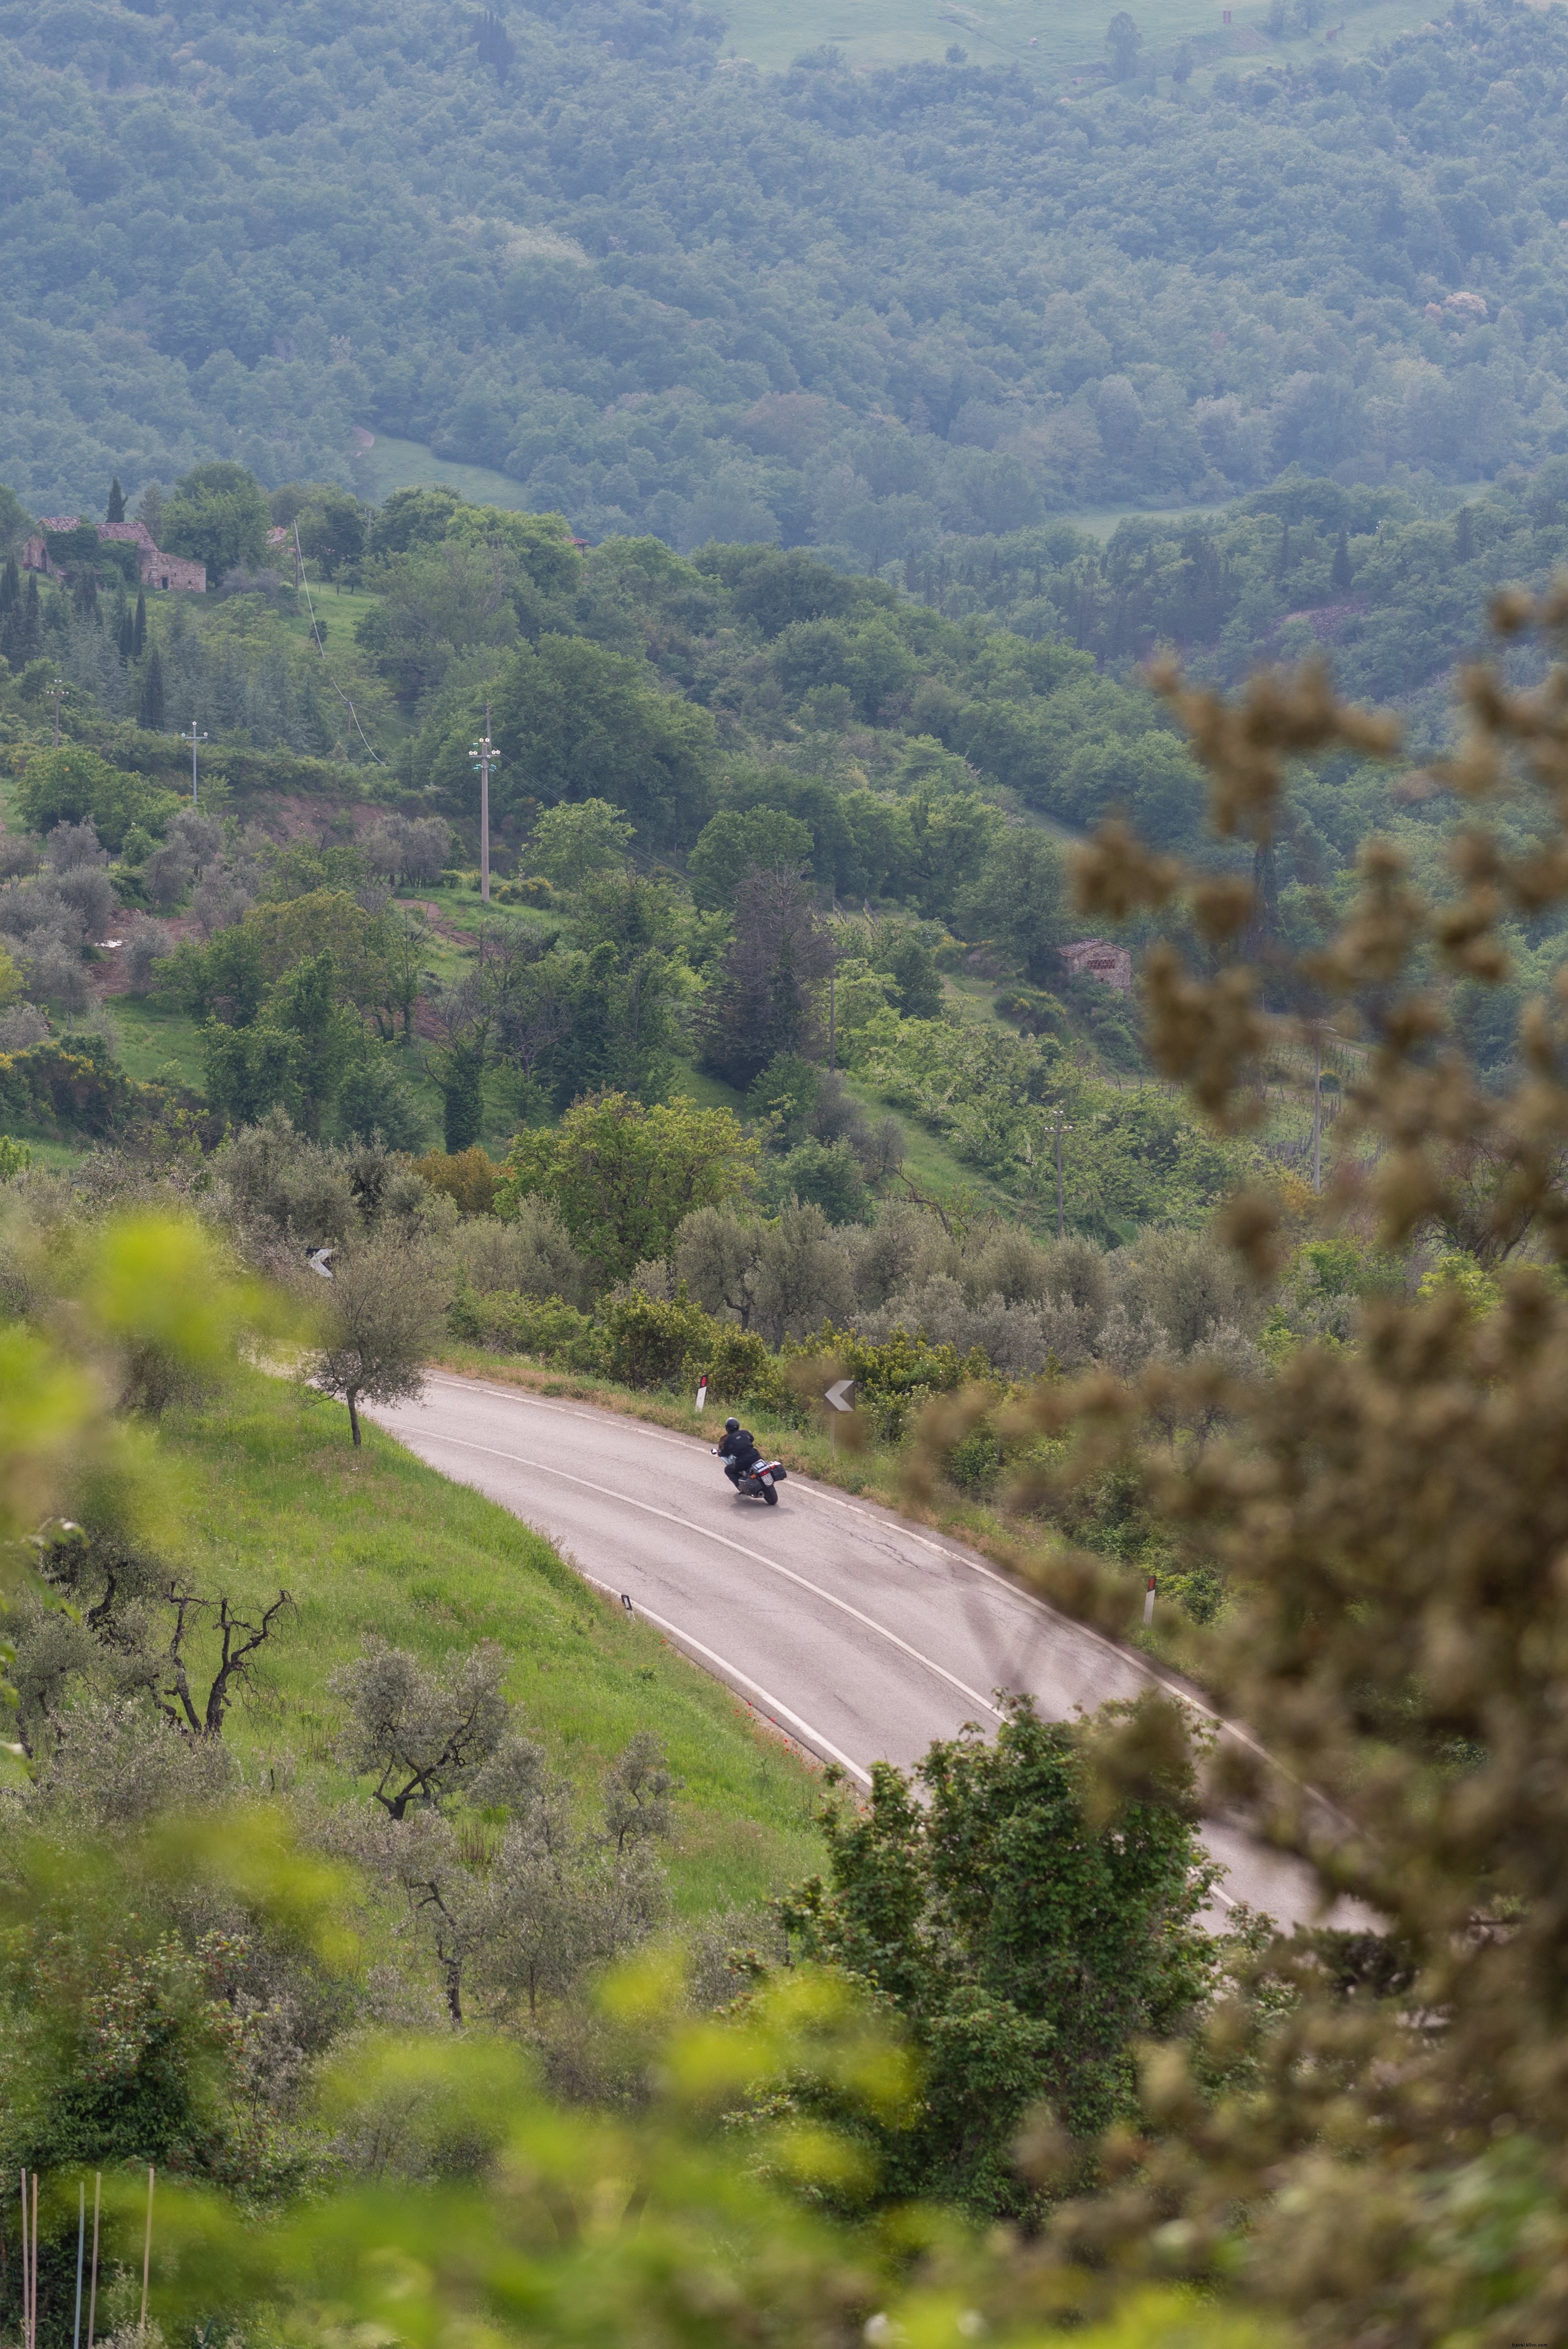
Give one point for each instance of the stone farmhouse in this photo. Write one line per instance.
(156, 569)
(1099, 959)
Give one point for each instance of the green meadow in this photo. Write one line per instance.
(272, 1495)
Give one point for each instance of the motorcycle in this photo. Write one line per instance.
(761, 1481)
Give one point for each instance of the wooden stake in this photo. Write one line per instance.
(92, 2288)
(81, 2247)
(147, 2247)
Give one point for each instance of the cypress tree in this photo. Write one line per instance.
(116, 502)
(10, 588)
(30, 634)
(1464, 536)
(495, 45)
(150, 715)
(461, 1083)
(139, 628)
(1339, 570)
(124, 625)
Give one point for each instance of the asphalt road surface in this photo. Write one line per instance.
(861, 1636)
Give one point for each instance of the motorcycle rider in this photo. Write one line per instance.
(737, 1451)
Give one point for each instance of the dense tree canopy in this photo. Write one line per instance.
(864, 310)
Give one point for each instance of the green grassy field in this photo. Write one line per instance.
(274, 1496)
(391, 465)
(156, 1044)
(1058, 38)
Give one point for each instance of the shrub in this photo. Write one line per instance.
(70, 784)
(469, 1177)
(740, 1368)
(73, 1084)
(508, 1323)
(647, 1341)
(895, 1378)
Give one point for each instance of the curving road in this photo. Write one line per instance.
(861, 1636)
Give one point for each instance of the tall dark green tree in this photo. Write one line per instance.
(149, 711)
(1029, 1942)
(459, 1074)
(765, 1001)
(116, 509)
(1340, 570)
(217, 515)
(1124, 40)
(495, 45)
(138, 630)
(305, 1004)
(1018, 902)
(22, 634)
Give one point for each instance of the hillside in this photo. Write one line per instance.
(664, 291)
(374, 1544)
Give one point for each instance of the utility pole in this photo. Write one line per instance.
(1061, 1218)
(192, 737)
(58, 689)
(484, 756)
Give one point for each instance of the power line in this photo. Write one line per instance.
(321, 647)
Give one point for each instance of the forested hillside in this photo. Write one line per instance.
(914, 768)
(863, 311)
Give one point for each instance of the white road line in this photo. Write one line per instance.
(727, 1671)
(1030, 1600)
(705, 1533)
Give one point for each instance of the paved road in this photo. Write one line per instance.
(861, 1636)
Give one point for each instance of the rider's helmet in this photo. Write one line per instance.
(732, 1427)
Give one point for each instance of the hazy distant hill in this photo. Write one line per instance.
(863, 311)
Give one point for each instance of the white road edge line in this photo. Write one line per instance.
(726, 1671)
(705, 1533)
(1029, 1599)
(723, 1671)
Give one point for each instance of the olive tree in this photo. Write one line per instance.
(518, 1919)
(424, 1737)
(381, 1319)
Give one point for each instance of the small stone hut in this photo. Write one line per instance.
(155, 568)
(1099, 959)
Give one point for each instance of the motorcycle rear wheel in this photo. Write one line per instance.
(770, 1496)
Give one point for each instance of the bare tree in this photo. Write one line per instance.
(238, 1639)
(128, 1626)
(383, 1314)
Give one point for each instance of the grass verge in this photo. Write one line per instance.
(272, 1495)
